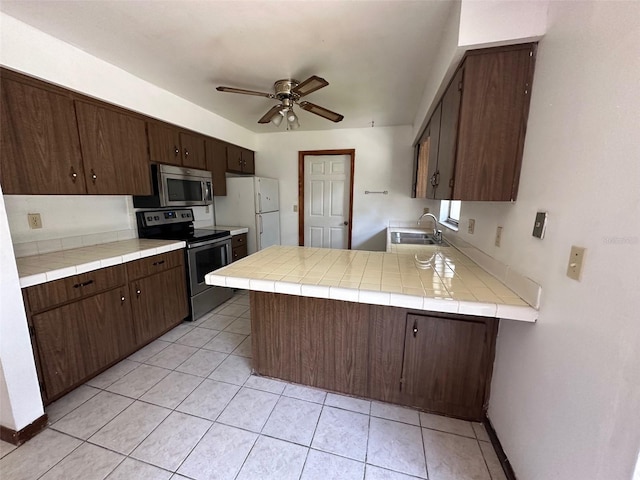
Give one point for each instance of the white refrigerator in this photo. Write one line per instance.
(252, 202)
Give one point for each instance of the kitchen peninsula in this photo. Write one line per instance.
(404, 328)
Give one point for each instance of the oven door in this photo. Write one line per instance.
(204, 259)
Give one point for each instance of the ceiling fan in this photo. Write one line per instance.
(288, 92)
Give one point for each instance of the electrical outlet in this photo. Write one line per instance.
(425, 210)
(35, 221)
(295, 208)
(472, 226)
(576, 261)
(206, 209)
(498, 236)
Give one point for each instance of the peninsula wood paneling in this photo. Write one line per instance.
(370, 351)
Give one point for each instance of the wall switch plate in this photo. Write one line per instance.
(35, 221)
(498, 236)
(472, 226)
(295, 208)
(540, 225)
(425, 210)
(576, 261)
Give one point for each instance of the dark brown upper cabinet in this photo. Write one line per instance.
(482, 120)
(169, 145)
(216, 153)
(240, 160)
(40, 149)
(164, 143)
(193, 154)
(114, 150)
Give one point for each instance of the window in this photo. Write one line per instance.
(450, 213)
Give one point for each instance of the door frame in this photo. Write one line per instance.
(303, 153)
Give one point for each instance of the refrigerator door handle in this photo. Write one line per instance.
(260, 216)
(260, 203)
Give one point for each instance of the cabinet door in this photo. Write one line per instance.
(114, 151)
(216, 152)
(147, 307)
(234, 159)
(60, 338)
(493, 117)
(448, 138)
(445, 365)
(164, 143)
(40, 149)
(248, 161)
(107, 328)
(174, 296)
(193, 154)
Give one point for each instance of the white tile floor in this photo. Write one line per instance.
(187, 407)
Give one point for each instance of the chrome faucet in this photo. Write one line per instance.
(437, 234)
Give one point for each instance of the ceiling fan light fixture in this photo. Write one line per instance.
(277, 118)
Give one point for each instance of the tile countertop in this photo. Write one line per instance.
(233, 230)
(43, 268)
(449, 281)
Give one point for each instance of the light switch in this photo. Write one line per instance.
(295, 208)
(540, 225)
(472, 226)
(576, 261)
(498, 236)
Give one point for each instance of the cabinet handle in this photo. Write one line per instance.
(83, 284)
(138, 292)
(93, 176)
(244, 162)
(158, 263)
(240, 161)
(437, 175)
(186, 152)
(433, 180)
(74, 175)
(122, 299)
(415, 328)
(176, 150)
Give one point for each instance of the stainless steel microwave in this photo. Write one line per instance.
(177, 187)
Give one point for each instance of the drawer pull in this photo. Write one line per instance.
(83, 284)
(158, 263)
(138, 292)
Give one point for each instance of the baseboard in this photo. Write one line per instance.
(504, 461)
(28, 432)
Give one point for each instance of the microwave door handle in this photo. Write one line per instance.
(207, 191)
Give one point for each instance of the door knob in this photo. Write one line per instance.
(345, 223)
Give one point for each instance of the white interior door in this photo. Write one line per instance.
(326, 200)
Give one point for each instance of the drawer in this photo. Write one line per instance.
(239, 240)
(158, 263)
(50, 294)
(238, 252)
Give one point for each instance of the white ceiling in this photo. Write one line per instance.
(375, 54)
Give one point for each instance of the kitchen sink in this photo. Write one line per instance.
(408, 238)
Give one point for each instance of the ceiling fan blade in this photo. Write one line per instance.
(311, 84)
(323, 112)
(245, 92)
(266, 118)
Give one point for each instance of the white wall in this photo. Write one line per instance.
(565, 397)
(20, 402)
(384, 159)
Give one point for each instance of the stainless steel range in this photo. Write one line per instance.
(207, 250)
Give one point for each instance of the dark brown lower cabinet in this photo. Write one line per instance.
(78, 339)
(436, 362)
(83, 324)
(152, 313)
(444, 366)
